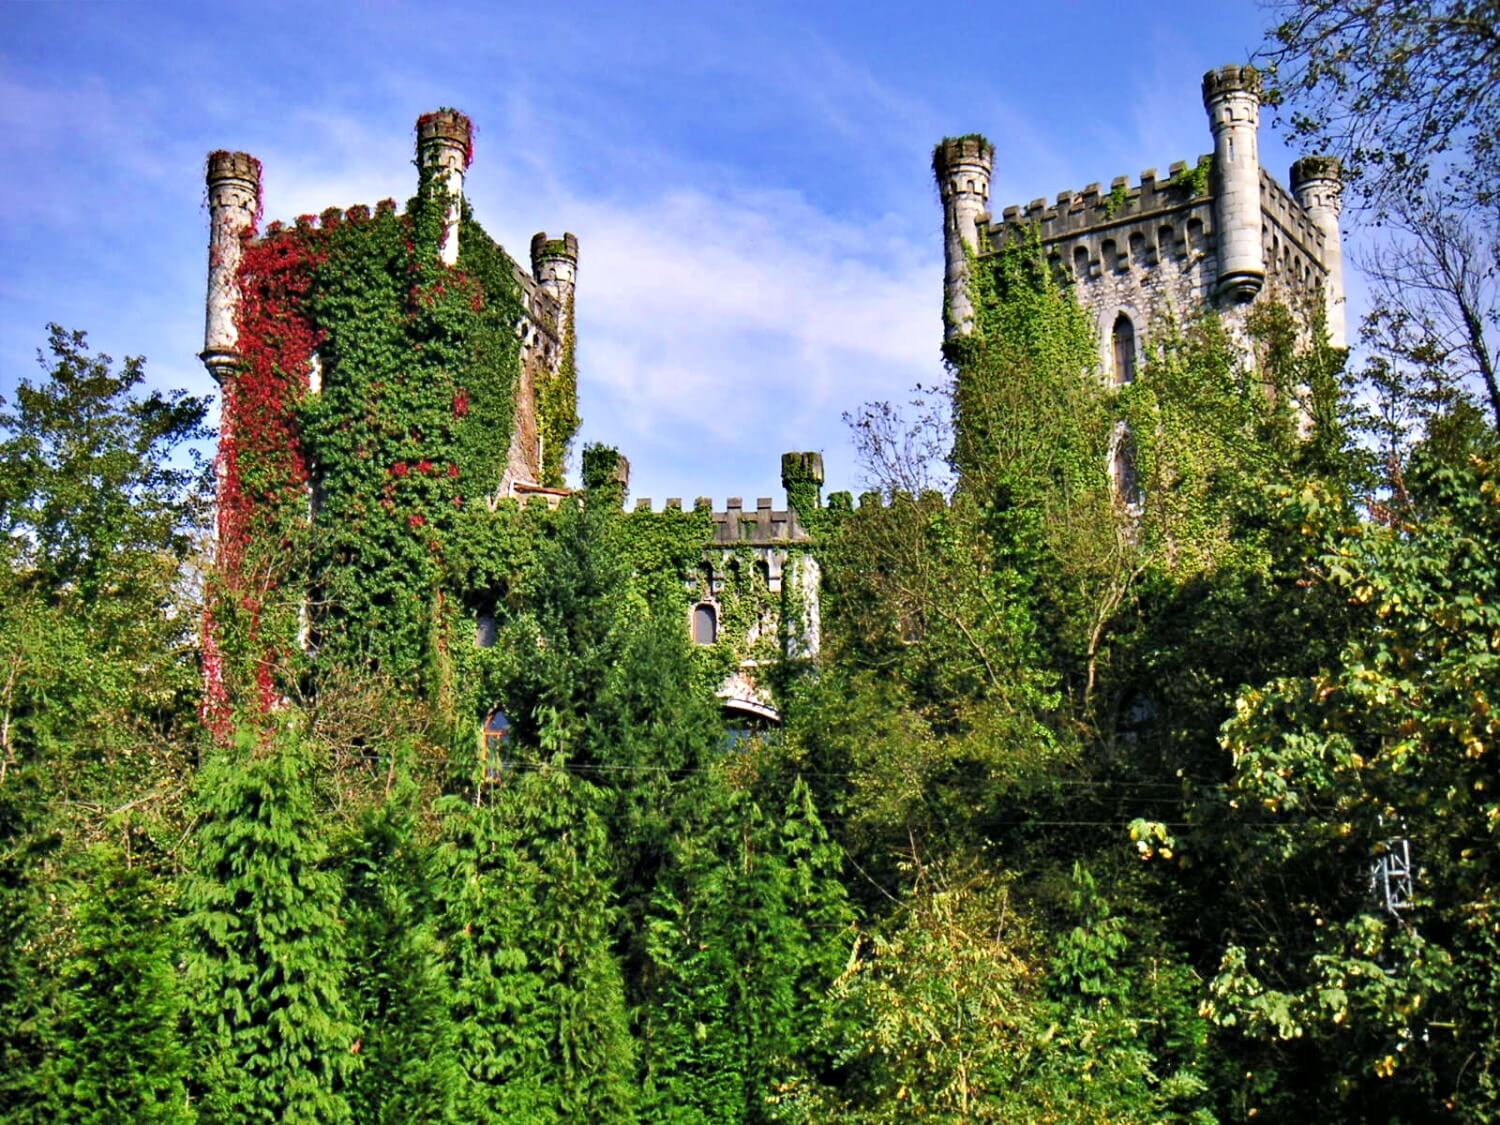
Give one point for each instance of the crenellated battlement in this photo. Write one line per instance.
(1207, 235)
(1227, 80)
(1073, 212)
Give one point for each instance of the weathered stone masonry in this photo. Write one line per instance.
(1163, 248)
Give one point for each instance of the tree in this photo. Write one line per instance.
(1377, 1005)
(397, 989)
(266, 958)
(1407, 94)
(527, 919)
(113, 1036)
(101, 503)
(747, 931)
(936, 1015)
(1437, 298)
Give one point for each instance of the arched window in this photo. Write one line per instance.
(1122, 470)
(705, 624)
(496, 745)
(1124, 342)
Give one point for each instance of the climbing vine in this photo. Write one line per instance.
(263, 475)
(1193, 182)
(408, 424)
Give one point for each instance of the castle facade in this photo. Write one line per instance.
(1220, 234)
(382, 419)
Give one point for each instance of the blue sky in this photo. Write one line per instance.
(760, 238)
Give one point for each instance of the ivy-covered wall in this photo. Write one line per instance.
(373, 404)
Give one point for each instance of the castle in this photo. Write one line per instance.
(1218, 235)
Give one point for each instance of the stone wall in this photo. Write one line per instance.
(1149, 249)
(539, 330)
(1218, 235)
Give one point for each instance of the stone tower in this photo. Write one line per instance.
(443, 146)
(1317, 182)
(1220, 233)
(963, 166)
(233, 203)
(554, 264)
(1231, 95)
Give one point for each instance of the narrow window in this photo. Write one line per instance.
(1124, 341)
(1122, 470)
(705, 624)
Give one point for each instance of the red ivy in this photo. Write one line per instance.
(262, 470)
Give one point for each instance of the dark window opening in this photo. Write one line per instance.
(1123, 471)
(1124, 341)
(705, 624)
(742, 729)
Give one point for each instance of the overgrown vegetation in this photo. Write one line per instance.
(1073, 818)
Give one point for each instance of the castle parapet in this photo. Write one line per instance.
(1074, 212)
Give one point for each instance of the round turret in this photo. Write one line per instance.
(233, 180)
(1228, 80)
(962, 167)
(1318, 184)
(445, 149)
(1231, 95)
(554, 264)
(443, 133)
(545, 251)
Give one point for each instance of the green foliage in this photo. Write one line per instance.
(420, 368)
(91, 491)
(100, 506)
(1193, 182)
(1117, 198)
(265, 962)
(557, 404)
(111, 1032)
(743, 938)
(1389, 738)
(1396, 90)
(935, 1013)
(397, 989)
(526, 913)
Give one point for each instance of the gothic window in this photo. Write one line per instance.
(705, 624)
(496, 745)
(1124, 350)
(1127, 485)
